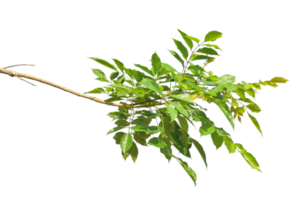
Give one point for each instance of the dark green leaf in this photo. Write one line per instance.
(114, 75)
(177, 57)
(181, 48)
(115, 129)
(217, 140)
(118, 137)
(186, 39)
(199, 57)
(105, 63)
(117, 115)
(200, 150)
(255, 122)
(157, 142)
(156, 63)
(134, 151)
(209, 51)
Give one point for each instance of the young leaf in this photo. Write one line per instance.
(187, 40)
(157, 142)
(181, 48)
(134, 151)
(156, 63)
(193, 38)
(223, 106)
(100, 74)
(279, 80)
(152, 85)
(177, 57)
(200, 150)
(212, 36)
(207, 129)
(229, 144)
(180, 108)
(126, 142)
(145, 69)
(209, 51)
(105, 63)
(172, 111)
(188, 170)
(217, 140)
(96, 90)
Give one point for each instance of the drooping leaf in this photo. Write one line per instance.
(134, 151)
(250, 160)
(177, 57)
(157, 142)
(180, 108)
(188, 170)
(172, 111)
(187, 40)
(181, 48)
(279, 80)
(223, 106)
(255, 122)
(207, 129)
(183, 97)
(184, 127)
(152, 85)
(217, 140)
(200, 150)
(156, 63)
(96, 90)
(229, 144)
(212, 36)
(126, 142)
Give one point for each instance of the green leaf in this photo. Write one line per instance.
(156, 63)
(256, 85)
(223, 106)
(168, 67)
(229, 144)
(166, 151)
(250, 160)
(172, 111)
(226, 79)
(180, 108)
(188, 170)
(183, 97)
(212, 36)
(279, 80)
(118, 137)
(145, 69)
(245, 85)
(177, 57)
(126, 142)
(240, 92)
(152, 85)
(115, 129)
(251, 92)
(157, 142)
(117, 115)
(200, 150)
(138, 75)
(100, 74)
(255, 122)
(183, 123)
(126, 154)
(254, 107)
(209, 51)
(199, 57)
(231, 87)
(221, 132)
(96, 90)
(215, 90)
(212, 45)
(105, 63)
(217, 140)
(119, 64)
(187, 40)
(134, 151)
(114, 75)
(193, 38)
(207, 129)
(181, 48)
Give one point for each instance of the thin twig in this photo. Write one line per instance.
(19, 65)
(26, 81)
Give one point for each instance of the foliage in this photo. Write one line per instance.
(159, 102)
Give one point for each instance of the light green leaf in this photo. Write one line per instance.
(251, 92)
(256, 86)
(156, 63)
(157, 142)
(212, 36)
(250, 160)
(212, 45)
(199, 57)
(134, 151)
(105, 63)
(188, 170)
(226, 79)
(193, 38)
(183, 97)
(126, 142)
(145, 69)
(138, 75)
(207, 129)
(240, 92)
(177, 57)
(115, 129)
(181, 48)
(172, 111)
(254, 107)
(209, 51)
(152, 85)
(229, 144)
(96, 90)
(119, 64)
(279, 80)
(231, 87)
(168, 67)
(117, 115)
(223, 106)
(186, 39)
(255, 122)
(221, 132)
(215, 90)
(200, 150)
(100, 74)
(217, 140)
(180, 108)
(118, 137)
